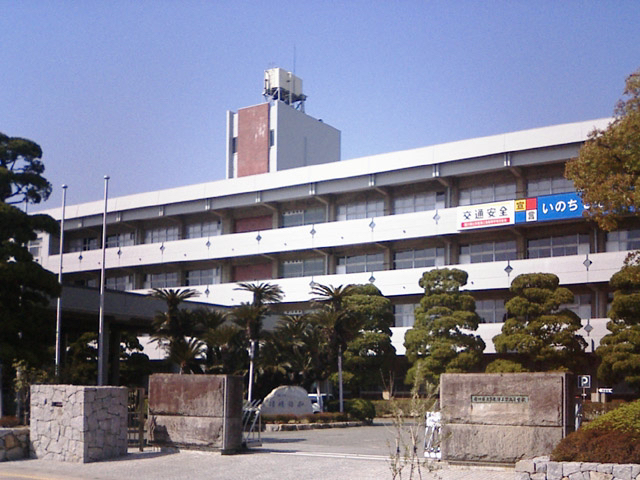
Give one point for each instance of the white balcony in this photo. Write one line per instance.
(306, 237)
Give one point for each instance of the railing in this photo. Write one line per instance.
(251, 424)
(137, 410)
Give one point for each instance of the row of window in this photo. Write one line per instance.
(192, 278)
(555, 246)
(491, 310)
(416, 202)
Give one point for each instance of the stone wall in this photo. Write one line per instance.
(196, 411)
(543, 469)
(503, 418)
(78, 423)
(14, 443)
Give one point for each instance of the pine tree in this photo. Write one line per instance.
(442, 338)
(539, 335)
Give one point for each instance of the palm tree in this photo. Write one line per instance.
(225, 349)
(205, 322)
(251, 315)
(171, 328)
(187, 354)
(174, 323)
(337, 322)
(292, 348)
(263, 293)
(250, 318)
(331, 296)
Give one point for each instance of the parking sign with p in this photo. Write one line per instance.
(584, 381)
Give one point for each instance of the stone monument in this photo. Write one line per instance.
(196, 411)
(502, 418)
(287, 399)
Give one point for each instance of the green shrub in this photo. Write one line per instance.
(592, 410)
(311, 418)
(602, 446)
(625, 418)
(611, 438)
(360, 409)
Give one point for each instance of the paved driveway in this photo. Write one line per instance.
(341, 453)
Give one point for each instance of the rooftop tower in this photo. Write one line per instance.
(278, 134)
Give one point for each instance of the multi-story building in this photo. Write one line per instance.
(291, 213)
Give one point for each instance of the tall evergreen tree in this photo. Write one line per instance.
(26, 332)
(539, 334)
(442, 338)
(620, 349)
(369, 358)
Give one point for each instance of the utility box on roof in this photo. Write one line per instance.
(282, 85)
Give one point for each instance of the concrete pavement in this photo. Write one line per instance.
(339, 453)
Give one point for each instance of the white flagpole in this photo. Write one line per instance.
(59, 304)
(102, 347)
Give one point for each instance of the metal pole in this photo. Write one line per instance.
(102, 346)
(59, 303)
(340, 378)
(252, 352)
(1, 392)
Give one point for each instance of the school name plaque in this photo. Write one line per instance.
(499, 399)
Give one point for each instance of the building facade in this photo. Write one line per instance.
(495, 207)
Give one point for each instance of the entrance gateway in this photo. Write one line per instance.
(504, 417)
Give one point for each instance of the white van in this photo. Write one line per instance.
(326, 397)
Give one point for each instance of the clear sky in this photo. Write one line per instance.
(138, 89)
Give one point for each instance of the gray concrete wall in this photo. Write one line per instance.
(196, 411)
(78, 423)
(503, 418)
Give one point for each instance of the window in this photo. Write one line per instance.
(488, 252)
(547, 186)
(83, 244)
(558, 246)
(360, 263)
(121, 240)
(35, 246)
(622, 240)
(207, 276)
(162, 234)
(367, 209)
(303, 268)
(487, 194)
(424, 257)
(161, 280)
(294, 218)
(418, 202)
(581, 305)
(203, 229)
(86, 282)
(121, 283)
(404, 314)
(491, 311)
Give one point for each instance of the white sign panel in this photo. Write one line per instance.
(486, 215)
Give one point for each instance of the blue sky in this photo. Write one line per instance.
(138, 90)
